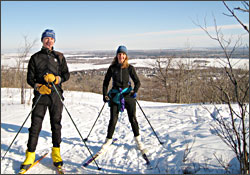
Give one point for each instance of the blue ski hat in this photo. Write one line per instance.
(48, 33)
(122, 49)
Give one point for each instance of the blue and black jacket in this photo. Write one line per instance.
(120, 78)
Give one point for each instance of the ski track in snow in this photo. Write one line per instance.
(176, 125)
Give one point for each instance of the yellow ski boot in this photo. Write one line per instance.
(56, 157)
(30, 158)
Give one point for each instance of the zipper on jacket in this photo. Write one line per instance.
(121, 74)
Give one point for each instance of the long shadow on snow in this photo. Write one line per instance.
(15, 128)
(78, 140)
(16, 163)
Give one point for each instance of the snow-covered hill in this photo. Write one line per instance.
(178, 126)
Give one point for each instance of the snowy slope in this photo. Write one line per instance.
(178, 126)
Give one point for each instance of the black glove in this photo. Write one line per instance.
(106, 98)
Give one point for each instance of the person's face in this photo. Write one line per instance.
(48, 42)
(121, 57)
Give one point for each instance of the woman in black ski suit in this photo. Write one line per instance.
(121, 95)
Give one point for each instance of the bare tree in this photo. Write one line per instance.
(245, 8)
(177, 78)
(163, 71)
(235, 131)
(23, 53)
(162, 76)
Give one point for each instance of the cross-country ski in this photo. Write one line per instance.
(23, 170)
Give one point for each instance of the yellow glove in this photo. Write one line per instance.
(42, 89)
(49, 78)
(57, 80)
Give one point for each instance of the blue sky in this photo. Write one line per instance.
(104, 25)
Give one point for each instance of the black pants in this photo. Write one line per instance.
(55, 106)
(130, 105)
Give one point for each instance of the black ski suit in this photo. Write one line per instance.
(121, 77)
(42, 62)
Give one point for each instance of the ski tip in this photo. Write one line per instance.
(22, 171)
(85, 164)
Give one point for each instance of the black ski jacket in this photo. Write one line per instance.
(120, 77)
(46, 61)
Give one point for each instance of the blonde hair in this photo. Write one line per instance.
(124, 64)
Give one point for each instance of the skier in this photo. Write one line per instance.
(44, 68)
(121, 95)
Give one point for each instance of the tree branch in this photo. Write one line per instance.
(233, 14)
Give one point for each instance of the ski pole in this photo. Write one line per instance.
(95, 121)
(23, 124)
(149, 122)
(75, 124)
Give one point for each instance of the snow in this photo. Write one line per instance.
(85, 66)
(193, 62)
(178, 126)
